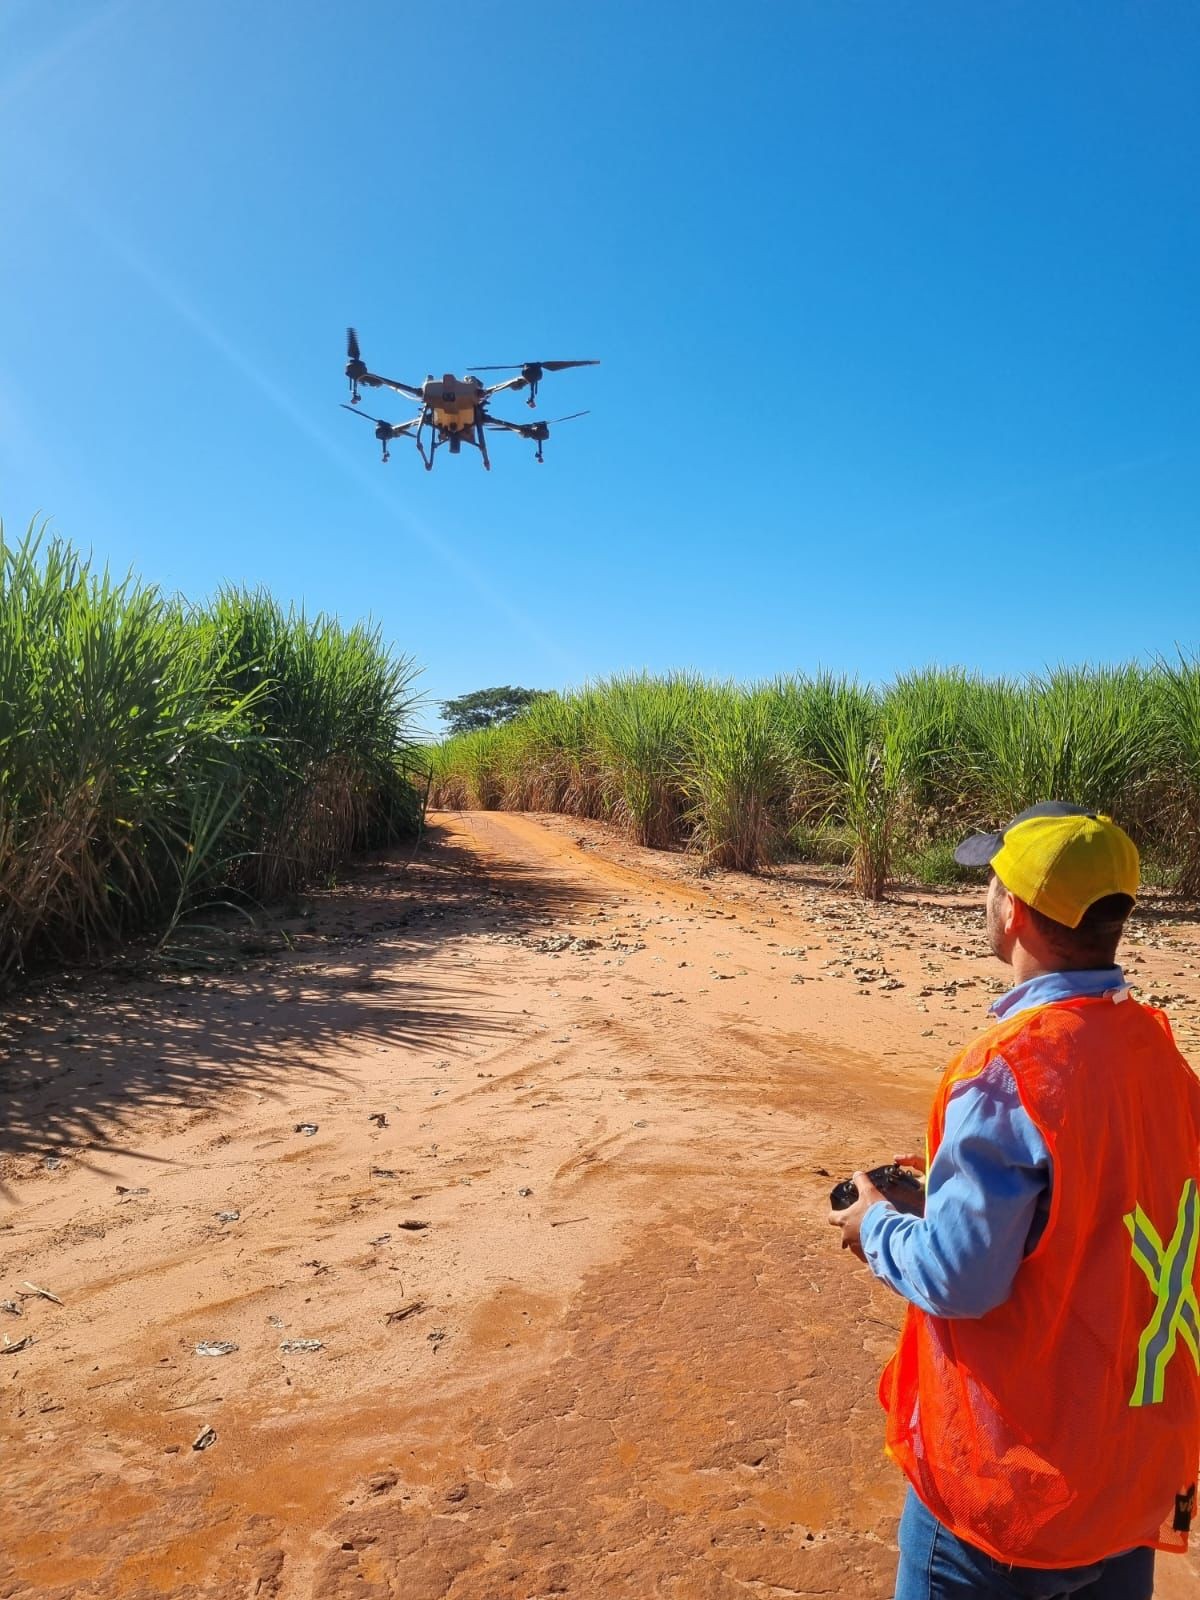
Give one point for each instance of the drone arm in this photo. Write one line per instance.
(372, 380)
(539, 432)
(393, 430)
(509, 383)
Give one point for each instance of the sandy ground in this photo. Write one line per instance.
(559, 1229)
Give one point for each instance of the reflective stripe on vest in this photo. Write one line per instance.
(1169, 1270)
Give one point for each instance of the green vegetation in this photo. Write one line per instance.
(486, 708)
(157, 757)
(827, 769)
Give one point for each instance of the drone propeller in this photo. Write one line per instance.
(531, 373)
(530, 430)
(546, 366)
(356, 367)
(367, 417)
(538, 431)
(384, 430)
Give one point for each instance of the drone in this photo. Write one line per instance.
(455, 410)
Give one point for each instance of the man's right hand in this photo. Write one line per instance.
(916, 1162)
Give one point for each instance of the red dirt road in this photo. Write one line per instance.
(623, 1357)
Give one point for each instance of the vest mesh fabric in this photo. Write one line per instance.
(1016, 1428)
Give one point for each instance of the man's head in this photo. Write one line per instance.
(1063, 882)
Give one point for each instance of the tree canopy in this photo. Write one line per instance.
(486, 707)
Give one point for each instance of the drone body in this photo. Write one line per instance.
(454, 409)
(452, 402)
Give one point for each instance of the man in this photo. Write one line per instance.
(1044, 1399)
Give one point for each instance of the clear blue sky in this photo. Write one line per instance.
(897, 305)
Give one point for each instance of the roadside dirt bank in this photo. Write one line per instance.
(622, 1356)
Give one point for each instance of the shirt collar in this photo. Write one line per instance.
(1049, 987)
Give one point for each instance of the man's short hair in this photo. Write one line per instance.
(1094, 942)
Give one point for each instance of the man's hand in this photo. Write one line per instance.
(850, 1222)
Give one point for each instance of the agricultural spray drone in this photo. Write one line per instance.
(455, 410)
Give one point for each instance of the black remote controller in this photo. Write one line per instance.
(896, 1184)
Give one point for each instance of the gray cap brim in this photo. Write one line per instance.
(978, 850)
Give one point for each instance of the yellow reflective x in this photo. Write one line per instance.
(1170, 1270)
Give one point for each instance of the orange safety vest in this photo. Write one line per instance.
(1064, 1426)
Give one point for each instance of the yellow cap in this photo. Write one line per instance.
(1059, 858)
(1063, 864)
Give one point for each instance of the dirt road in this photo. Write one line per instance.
(534, 1137)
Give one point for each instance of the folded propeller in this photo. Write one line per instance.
(356, 367)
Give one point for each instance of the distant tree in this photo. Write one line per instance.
(486, 708)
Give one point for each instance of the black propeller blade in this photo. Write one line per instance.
(356, 367)
(393, 427)
(355, 412)
(539, 432)
(384, 430)
(532, 373)
(546, 366)
(532, 430)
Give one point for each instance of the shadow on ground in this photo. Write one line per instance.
(82, 1056)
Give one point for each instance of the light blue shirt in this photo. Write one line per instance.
(987, 1192)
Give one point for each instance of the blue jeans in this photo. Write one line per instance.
(935, 1565)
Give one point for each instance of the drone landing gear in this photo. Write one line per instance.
(482, 443)
(427, 459)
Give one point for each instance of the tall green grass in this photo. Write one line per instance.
(739, 776)
(889, 775)
(155, 755)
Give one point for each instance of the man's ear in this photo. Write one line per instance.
(1014, 917)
